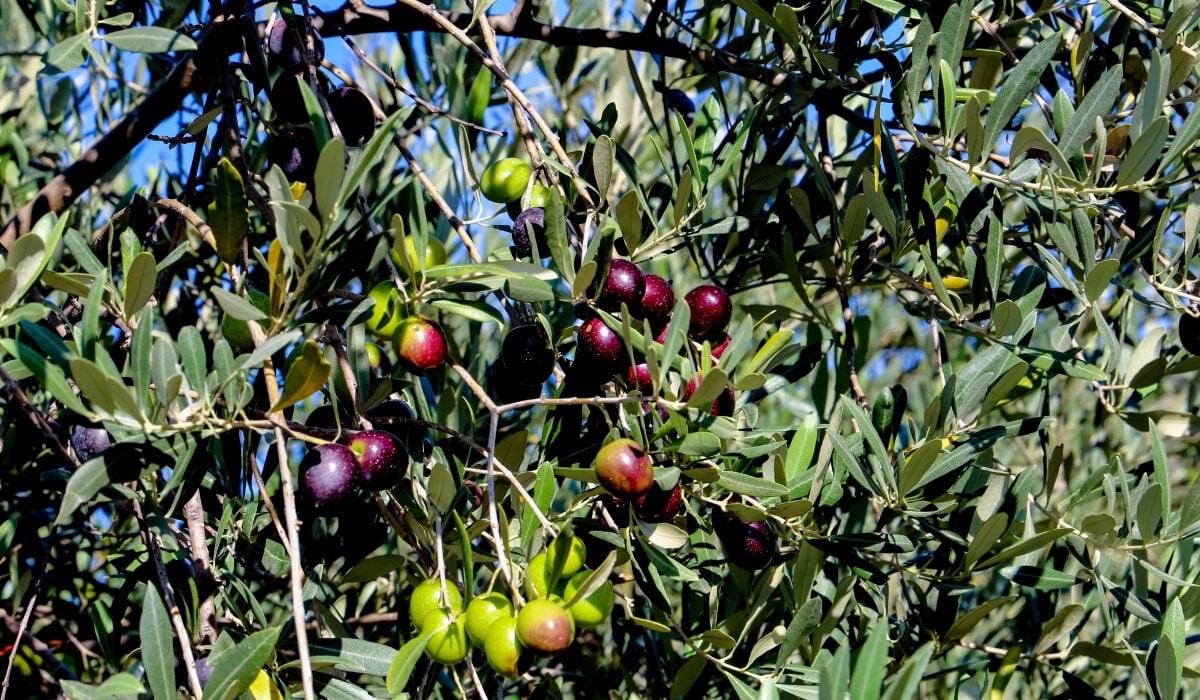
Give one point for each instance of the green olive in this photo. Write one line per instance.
(505, 180)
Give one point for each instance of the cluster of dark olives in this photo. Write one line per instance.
(293, 46)
(332, 474)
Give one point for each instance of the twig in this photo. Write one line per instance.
(289, 514)
(207, 581)
(185, 642)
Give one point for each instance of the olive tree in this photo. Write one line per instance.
(668, 349)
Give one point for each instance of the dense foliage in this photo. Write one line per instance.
(941, 441)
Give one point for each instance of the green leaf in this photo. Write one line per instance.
(714, 384)
(158, 646)
(529, 289)
(139, 283)
(970, 619)
(871, 663)
(122, 685)
(907, 680)
(356, 655)
(629, 219)
(237, 307)
(989, 533)
(1032, 544)
(752, 486)
(404, 661)
(470, 309)
(1098, 102)
(602, 165)
(560, 247)
(305, 377)
(236, 668)
(150, 40)
(227, 216)
(799, 455)
(1042, 578)
(104, 391)
(700, 444)
(1059, 626)
(1020, 82)
(1144, 152)
(327, 179)
(85, 483)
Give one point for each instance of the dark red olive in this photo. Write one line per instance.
(711, 309)
(624, 285)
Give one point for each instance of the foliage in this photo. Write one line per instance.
(959, 240)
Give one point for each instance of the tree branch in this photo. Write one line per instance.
(351, 19)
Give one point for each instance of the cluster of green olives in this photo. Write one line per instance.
(544, 624)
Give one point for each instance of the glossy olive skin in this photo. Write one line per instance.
(533, 219)
(750, 546)
(329, 478)
(600, 350)
(381, 457)
(354, 114)
(545, 627)
(420, 345)
(503, 649)
(287, 43)
(711, 310)
(624, 468)
(658, 300)
(659, 505)
(294, 150)
(527, 353)
(1189, 333)
(625, 284)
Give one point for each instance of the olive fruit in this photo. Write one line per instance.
(658, 300)
(294, 150)
(1189, 333)
(381, 458)
(596, 607)
(435, 254)
(750, 546)
(623, 285)
(565, 555)
(624, 468)
(354, 114)
(600, 349)
(659, 505)
(711, 309)
(505, 180)
(719, 344)
(503, 648)
(532, 219)
(537, 578)
(721, 406)
(388, 312)
(507, 386)
(545, 627)
(638, 377)
(427, 598)
(89, 442)
(287, 41)
(448, 642)
(329, 477)
(237, 331)
(420, 345)
(483, 611)
(288, 99)
(526, 352)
